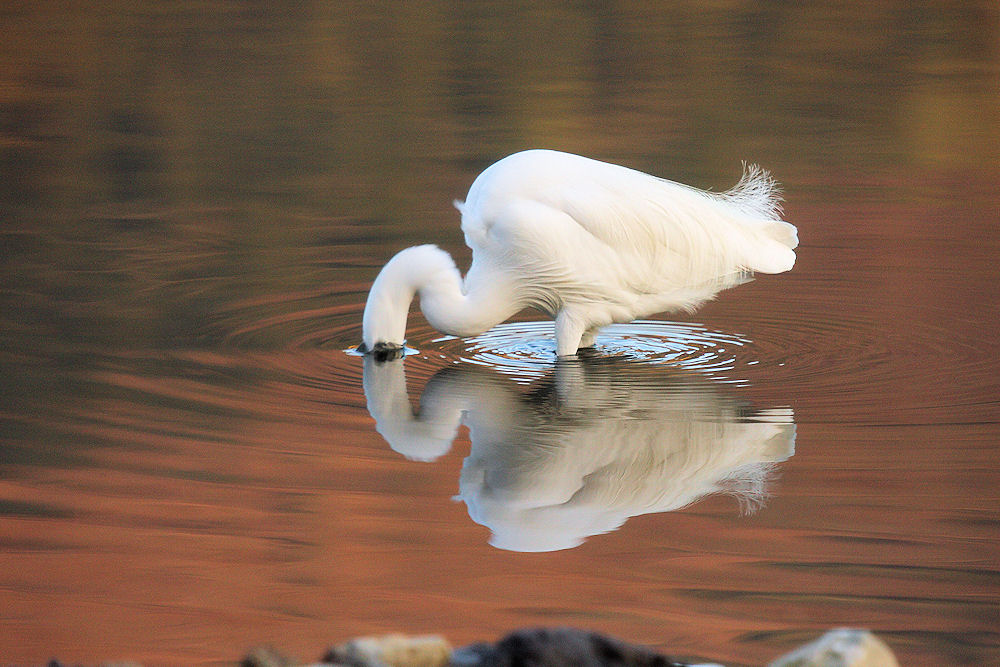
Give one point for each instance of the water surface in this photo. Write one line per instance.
(194, 201)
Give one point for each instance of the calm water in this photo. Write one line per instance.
(195, 198)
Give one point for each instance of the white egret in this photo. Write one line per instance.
(587, 242)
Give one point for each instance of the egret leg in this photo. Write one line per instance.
(587, 340)
(569, 331)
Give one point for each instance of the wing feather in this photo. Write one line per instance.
(652, 235)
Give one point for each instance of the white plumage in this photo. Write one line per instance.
(587, 242)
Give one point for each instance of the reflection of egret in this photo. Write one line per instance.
(587, 242)
(597, 442)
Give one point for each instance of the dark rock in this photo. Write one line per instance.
(554, 647)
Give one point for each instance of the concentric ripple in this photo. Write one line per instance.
(527, 349)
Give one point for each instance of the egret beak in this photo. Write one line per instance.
(383, 351)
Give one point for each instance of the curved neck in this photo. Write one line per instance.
(450, 306)
(466, 309)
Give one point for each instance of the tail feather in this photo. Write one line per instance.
(783, 232)
(773, 251)
(758, 195)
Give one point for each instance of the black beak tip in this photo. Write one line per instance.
(383, 351)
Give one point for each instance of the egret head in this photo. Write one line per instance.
(410, 271)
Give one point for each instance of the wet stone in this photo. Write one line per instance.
(395, 650)
(843, 647)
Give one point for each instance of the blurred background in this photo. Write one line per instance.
(195, 197)
(179, 124)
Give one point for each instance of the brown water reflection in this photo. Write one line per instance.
(194, 200)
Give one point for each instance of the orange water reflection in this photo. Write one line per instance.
(195, 199)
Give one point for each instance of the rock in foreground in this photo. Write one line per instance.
(843, 647)
(556, 647)
(543, 647)
(394, 650)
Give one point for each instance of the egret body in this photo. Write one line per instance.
(586, 242)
